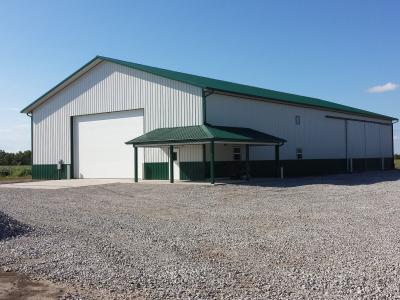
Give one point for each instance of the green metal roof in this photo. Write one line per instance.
(204, 133)
(246, 90)
(216, 85)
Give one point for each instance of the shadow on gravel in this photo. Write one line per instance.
(339, 179)
(10, 227)
(15, 286)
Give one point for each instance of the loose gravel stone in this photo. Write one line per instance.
(334, 237)
(10, 227)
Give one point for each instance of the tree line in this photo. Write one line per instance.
(15, 159)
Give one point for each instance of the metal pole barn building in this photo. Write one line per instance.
(116, 119)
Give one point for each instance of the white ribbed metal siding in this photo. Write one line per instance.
(191, 153)
(110, 87)
(318, 136)
(356, 139)
(369, 140)
(224, 152)
(156, 154)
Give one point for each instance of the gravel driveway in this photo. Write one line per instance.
(332, 237)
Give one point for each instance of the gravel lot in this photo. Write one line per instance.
(332, 237)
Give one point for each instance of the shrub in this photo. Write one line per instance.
(28, 172)
(5, 172)
(15, 171)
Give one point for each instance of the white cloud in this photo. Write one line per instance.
(387, 87)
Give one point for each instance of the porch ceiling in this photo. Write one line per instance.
(204, 134)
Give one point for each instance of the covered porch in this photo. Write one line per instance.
(209, 138)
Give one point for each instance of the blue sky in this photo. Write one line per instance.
(334, 50)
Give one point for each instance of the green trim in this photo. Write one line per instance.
(371, 164)
(156, 171)
(196, 170)
(232, 169)
(224, 87)
(49, 172)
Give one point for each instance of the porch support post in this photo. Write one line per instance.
(204, 160)
(136, 163)
(277, 160)
(171, 164)
(247, 162)
(212, 157)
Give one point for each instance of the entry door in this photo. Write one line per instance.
(176, 164)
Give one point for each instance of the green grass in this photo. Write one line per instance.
(15, 172)
(397, 163)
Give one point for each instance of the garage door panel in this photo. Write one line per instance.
(99, 144)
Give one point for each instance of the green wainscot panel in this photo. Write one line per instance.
(157, 170)
(50, 172)
(192, 170)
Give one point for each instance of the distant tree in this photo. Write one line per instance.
(19, 158)
(397, 156)
(3, 159)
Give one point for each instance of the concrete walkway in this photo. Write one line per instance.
(62, 184)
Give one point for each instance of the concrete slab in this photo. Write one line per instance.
(72, 183)
(62, 184)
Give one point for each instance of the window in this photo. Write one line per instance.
(299, 153)
(297, 119)
(236, 153)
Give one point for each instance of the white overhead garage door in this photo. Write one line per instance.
(99, 144)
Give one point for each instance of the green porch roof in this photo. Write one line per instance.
(214, 85)
(204, 133)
